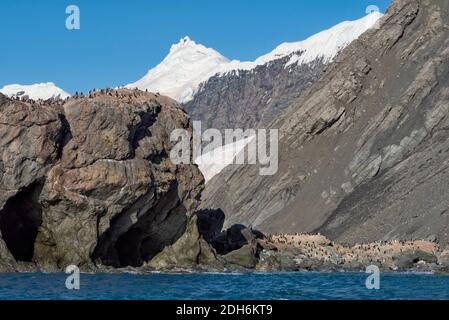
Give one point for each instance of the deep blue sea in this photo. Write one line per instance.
(251, 286)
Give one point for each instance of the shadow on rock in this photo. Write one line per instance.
(238, 245)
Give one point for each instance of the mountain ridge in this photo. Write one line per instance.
(354, 146)
(189, 64)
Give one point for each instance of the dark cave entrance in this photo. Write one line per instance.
(132, 243)
(19, 222)
(128, 248)
(134, 247)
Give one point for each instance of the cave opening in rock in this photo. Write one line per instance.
(156, 228)
(135, 247)
(128, 248)
(19, 222)
(151, 234)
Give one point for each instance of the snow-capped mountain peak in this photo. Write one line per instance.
(36, 91)
(185, 44)
(325, 44)
(328, 43)
(187, 65)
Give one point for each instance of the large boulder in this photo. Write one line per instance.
(191, 251)
(234, 238)
(89, 181)
(210, 223)
(408, 258)
(443, 258)
(246, 256)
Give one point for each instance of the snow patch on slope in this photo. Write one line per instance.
(36, 91)
(327, 44)
(211, 163)
(323, 45)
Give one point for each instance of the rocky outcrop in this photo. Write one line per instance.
(299, 252)
(89, 181)
(191, 251)
(363, 152)
(443, 258)
(248, 99)
(245, 257)
(317, 253)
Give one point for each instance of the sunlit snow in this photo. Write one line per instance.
(189, 64)
(36, 91)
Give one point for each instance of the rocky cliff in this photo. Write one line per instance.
(248, 99)
(88, 181)
(363, 152)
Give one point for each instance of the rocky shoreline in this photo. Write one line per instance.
(239, 249)
(316, 253)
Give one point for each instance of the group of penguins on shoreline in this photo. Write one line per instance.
(376, 251)
(78, 95)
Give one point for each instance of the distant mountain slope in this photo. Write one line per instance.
(248, 99)
(251, 94)
(363, 152)
(189, 64)
(36, 91)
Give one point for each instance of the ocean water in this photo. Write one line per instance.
(251, 286)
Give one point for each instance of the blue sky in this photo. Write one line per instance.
(120, 40)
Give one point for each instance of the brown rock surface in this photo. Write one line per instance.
(90, 181)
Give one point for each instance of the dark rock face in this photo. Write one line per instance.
(249, 99)
(363, 152)
(90, 181)
(210, 225)
(406, 260)
(234, 238)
